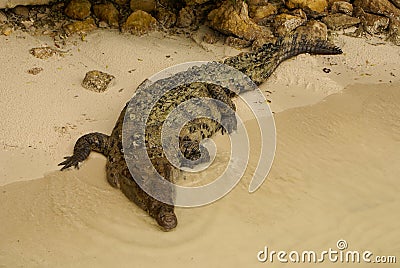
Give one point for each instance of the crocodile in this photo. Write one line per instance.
(257, 65)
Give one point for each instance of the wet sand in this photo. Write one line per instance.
(335, 176)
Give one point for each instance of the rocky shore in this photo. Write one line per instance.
(237, 23)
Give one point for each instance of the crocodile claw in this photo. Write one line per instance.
(69, 162)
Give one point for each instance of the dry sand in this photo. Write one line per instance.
(335, 175)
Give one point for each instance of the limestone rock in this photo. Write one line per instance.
(210, 38)
(144, 5)
(396, 3)
(186, 17)
(314, 30)
(165, 17)
(394, 31)
(3, 17)
(107, 13)
(342, 7)
(139, 22)
(285, 23)
(22, 11)
(81, 26)
(259, 13)
(97, 81)
(6, 30)
(233, 19)
(379, 7)
(14, 3)
(313, 5)
(121, 2)
(237, 42)
(44, 52)
(78, 9)
(340, 21)
(374, 24)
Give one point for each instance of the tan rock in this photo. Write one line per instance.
(165, 17)
(186, 17)
(140, 22)
(121, 2)
(340, 21)
(22, 11)
(394, 31)
(342, 7)
(81, 26)
(107, 13)
(6, 30)
(313, 5)
(3, 17)
(257, 2)
(259, 13)
(285, 23)
(380, 7)
(237, 42)
(396, 3)
(97, 81)
(145, 5)
(78, 9)
(374, 24)
(233, 19)
(314, 30)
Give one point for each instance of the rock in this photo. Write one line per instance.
(342, 7)
(165, 17)
(3, 17)
(260, 13)
(78, 9)
(186, 17)
(394, 31)
(396, 3)
(210, 38)
(379, 7)
(107, 13)
(285, 23)
(314, 30)
(34, 70)
(374, 24)
(121, 2)
(232, 19)
(144, 5)
(97, 81)
(313, 5)
(14, 3)
(22, 11)
(257, 2)
(237, 42)
(81, 26)
(139, 22)
(6, 30)
(44, 52)
(340, 21)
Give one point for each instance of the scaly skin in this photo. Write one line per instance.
(257, 65)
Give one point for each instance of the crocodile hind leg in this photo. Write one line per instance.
(97, 142)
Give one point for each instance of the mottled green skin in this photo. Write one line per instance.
(257, 65)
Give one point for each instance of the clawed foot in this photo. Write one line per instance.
(69, 162)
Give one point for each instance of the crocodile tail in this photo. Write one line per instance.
(299, 44)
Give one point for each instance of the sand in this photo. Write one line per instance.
(334, 175)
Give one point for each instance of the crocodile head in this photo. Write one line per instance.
(167, 219)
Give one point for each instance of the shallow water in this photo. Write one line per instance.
(335, 176)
